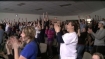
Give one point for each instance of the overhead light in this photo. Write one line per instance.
(39, 9)
(21, 4)
(16, 15)
(64, 5)
(6, 8)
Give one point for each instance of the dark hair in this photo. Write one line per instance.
(90, 26)
(73, 23)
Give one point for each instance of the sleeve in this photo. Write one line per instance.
(27, 51)
(92, 36)
(99, 37)
(68, 38)
(59, 37)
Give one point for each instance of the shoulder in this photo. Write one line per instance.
(29, 50)
(67, 35)
(31, 46)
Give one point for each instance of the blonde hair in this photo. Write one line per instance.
(99, 54)
(29, 32)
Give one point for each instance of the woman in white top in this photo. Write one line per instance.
(68, 42)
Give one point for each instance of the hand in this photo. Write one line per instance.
(15, 43)
(8, 45)
(79, 30)
(57, 27)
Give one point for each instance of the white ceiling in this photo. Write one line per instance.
(52, 7)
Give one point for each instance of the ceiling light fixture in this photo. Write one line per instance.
(16, 15)
(39, 9)
(21, 4)
(64, 5)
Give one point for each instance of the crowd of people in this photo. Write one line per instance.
(22, 39)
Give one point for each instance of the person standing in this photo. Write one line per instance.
(99, 36)
(81, 43)
(68, 42)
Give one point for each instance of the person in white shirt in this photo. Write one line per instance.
(37, 32)
(68, 42)
(7, 26)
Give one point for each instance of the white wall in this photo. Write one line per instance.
(58, 17)
(100, 12)
(74, 17)
(70, 17)
(12, 16)
(30, 17)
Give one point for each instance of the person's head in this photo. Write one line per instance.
(39, 27)
(101, 24)
(28, 33)
(97, 56)
(51, 26)
(83, 21)
(46, 27)
(71, 26)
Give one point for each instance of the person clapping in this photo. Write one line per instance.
(30, 50)
(68, 42)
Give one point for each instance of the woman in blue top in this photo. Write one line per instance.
(30, 49)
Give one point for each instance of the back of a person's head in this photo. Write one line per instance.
(29, 32)
(99, 55)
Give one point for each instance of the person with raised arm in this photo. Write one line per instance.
(82, 23)
(46, 21)
(68, 42)
(40, 36)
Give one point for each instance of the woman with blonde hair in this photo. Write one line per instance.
(30, 49)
